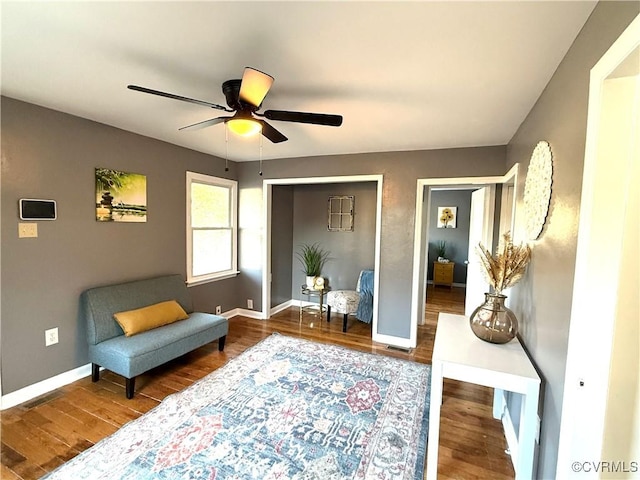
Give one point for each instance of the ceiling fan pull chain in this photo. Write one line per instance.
(226, 148)
(260, 155)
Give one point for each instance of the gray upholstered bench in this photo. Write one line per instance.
(131, 356)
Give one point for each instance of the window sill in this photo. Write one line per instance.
(201, 281)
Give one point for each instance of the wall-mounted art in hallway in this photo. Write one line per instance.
(447, 217)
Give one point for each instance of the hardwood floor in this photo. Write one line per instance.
(41, 434)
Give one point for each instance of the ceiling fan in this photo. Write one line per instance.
(244, 97)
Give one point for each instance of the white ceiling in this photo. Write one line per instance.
(405, 75)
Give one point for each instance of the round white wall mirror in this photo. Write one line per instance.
(537, 189)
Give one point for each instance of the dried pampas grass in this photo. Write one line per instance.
(507, 267)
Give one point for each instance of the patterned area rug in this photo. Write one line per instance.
(284, 409)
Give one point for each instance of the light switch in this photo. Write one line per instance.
(27, 230)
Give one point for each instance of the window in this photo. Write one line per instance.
(341, 213)
(211, 228)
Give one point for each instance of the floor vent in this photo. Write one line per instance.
(42, 399)
(399, 349)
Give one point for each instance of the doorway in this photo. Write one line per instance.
(602, 379)
(420, 257)
(267, 244)
(448, 243)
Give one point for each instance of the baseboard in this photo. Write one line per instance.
(510, 432)
(45, 386)
(284, 306)
(244, 312)
(455, 284)
(391, 340)
(304, 303)
(386, 339)
(499, 403)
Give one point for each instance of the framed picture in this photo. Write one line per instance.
(447, 217)
(120, 196)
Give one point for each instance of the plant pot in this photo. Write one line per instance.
(492, 321)
(311, 281)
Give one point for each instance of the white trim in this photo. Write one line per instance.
(45, 386)
(394, 341)
(499, 403)
(244, 312)
(455, 284)
(319, 180)
(304, 303)
(213, 278)
(232, 185)
(589, 350)
(511, 436)
(267, 186)
(267, 195)
(283, 306)
(48, 385)
(376, 282)
(418, 292)
(502, 413)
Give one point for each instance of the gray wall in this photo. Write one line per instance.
(401, 171)
(281, 244)
(542, 300)
(45, 152)
(457, 239)
(350, 252)
(52, 155)
(48, 154)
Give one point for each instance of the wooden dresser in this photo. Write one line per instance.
(443, 274)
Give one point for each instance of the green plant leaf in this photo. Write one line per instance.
(312, 258)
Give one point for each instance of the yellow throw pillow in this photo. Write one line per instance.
(147, 318)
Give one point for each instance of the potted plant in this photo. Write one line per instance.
(441, 250)
(312, 257)
(493, 321)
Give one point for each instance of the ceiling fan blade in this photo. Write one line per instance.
(271, 133)
(254, 87)
(304, 117)
(177, 97)
(206, 123)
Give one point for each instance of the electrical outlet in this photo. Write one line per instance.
(50, 337)
(27, 230)
(218, 310)
(249, 304)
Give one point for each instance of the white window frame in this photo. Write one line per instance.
(232, 185)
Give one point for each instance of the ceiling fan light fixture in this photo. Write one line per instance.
(244, 98)
(254, 86)
(244, 127)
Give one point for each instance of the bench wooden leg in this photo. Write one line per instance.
(95, 372)
(344, 323)
(221, 341)
(130, 387)
(328, 313)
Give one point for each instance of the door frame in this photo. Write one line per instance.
(267, 192)
(486, 238)
(418, 292)
(587, 368)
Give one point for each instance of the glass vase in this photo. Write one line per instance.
(492, 321)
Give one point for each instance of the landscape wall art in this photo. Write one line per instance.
(120, 196)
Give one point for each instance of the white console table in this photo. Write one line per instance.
(458, 354)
